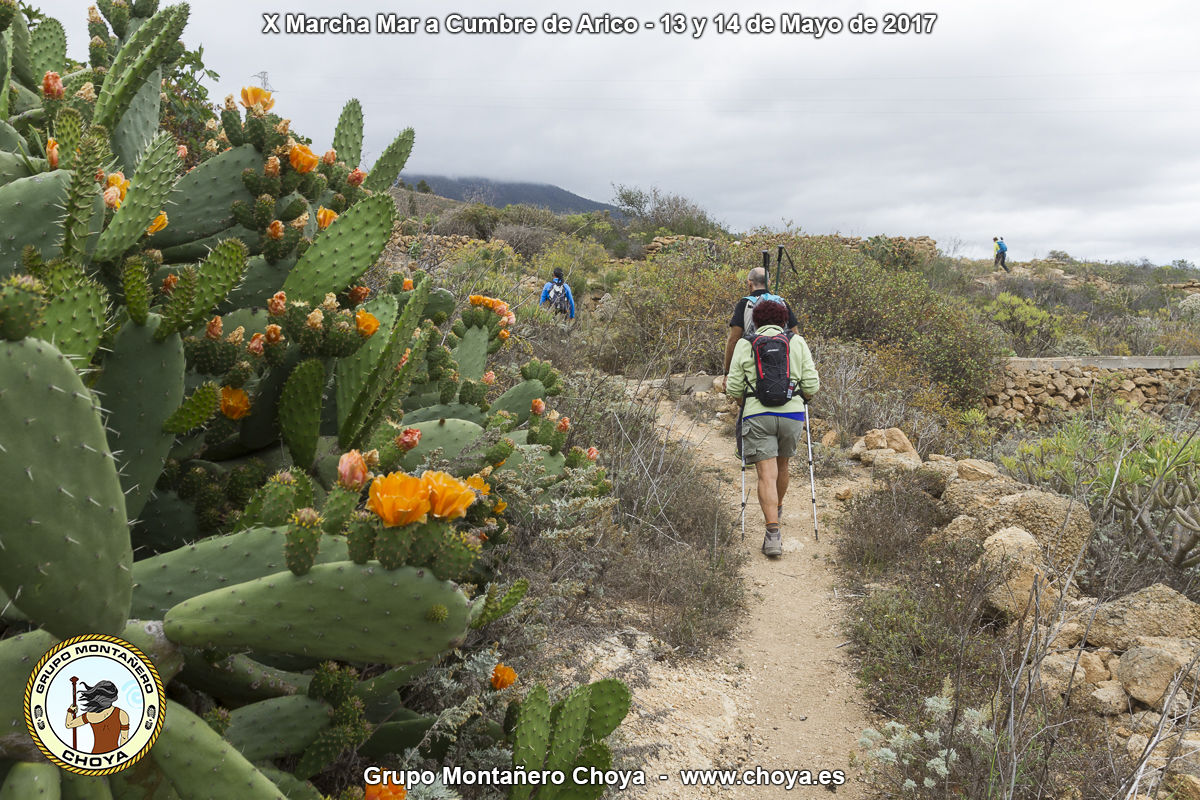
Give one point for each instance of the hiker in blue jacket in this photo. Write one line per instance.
(1000, 249)
(557, 295)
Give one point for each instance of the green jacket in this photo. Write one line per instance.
(741, 378)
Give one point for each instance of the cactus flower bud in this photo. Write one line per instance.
(158, 224)
(182, 152)
(408, 439)
(271, 169)
(87, 92)
(213, 329)
(275, 230)
(277, 305)
(274, 334)
(306, 517)
(169, 283)
(358, 295)
(408, 284)
(592, 454)
(489, 378)
(255, 347)
(356, 177)
(315, 320)
(330, 156)
(537, 407)
(352, 471)
(230, 105)
(257, 98)
(302, 159)
(52, 153)
(325, 217)
(94, 15)
(564, 425)
(52, 86)
(112, 197)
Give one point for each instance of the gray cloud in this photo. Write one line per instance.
(1061, 126)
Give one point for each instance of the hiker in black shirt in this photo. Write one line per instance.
(757, 283)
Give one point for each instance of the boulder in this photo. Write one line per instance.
(972, 469)
(962, 528)
(1015, 558)
(940, 457)
(1106, 698)
(1157, 610)
(936, 476)
(1093, 667)
(1061, 526)
(868, 456)
(898, 441)
(845, 494)
(859, 447)
(976, 497)
(875, 440)
(891, 463)
(1146, 671)
(830, 439)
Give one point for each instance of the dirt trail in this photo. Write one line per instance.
(782, 695)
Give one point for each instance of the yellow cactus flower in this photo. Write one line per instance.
(255, 96)
(503, 677)
(302, 159)
(477, 483)
(325, 217)
(158, 224)
(235, 403)
(367, 322)
(399, 499)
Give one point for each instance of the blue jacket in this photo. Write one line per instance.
(570, 297)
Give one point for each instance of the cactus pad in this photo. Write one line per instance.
(347, 249)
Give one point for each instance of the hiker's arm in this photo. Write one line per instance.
(545, 294)
(735, 334)
(735, 381)
(806, 368)
(571, 300)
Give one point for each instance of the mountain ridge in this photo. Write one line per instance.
(501, 193)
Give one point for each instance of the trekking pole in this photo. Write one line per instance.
(812, 476)
(742, 453)
(766, 254)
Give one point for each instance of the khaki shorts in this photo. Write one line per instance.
(769, 436)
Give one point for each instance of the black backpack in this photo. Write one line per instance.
(557, 299)
(773, 384)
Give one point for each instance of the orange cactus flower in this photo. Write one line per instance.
(274, 334)
(213, 329)
(408, 284)
(118, 180)
(408, 439)
(52, 153)
(477, 483)
(52, 86)
(592, 453)
(356, 177)
(325, 217)
(449, 497)
(330, 156)
(399, 499)
(158, 224)
(112, 198)
(182, 152)
(315, 319)
(235, 403)
(358, 295)
(564, 425)
(302, 159)
(367, 322)
(503, 677)
(256, 344)
(538, 406)
(385, 791)
(169, 283)
(352, 471)
(275, 230)
(255, 96)
(489, 378)
(503, 334)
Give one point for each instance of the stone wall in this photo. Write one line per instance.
(1036, 389)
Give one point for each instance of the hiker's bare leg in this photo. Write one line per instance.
(781, 482)
(768, 493)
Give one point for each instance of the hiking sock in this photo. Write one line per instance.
(772, 527)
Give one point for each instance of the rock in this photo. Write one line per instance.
(940, 457)
(875, 440)
(859, 447)
(896, 440)
(1157, 610)
(976, 497)
(1067, 636)
(1182, 786)
(1061, 526)
(962, 528)
(972, 469)
(1146, 672)
(1108, 699)
(868, 456)
(1015, 558)
(845, 494)
(1093, 667)
(936, 476)
(718, 384)
(830, 439)
(890, 463)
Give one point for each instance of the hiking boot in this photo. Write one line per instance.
(773, 543)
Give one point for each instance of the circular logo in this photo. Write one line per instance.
(94, 704)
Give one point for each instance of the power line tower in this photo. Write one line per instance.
(263, 81)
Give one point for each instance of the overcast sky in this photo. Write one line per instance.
(1059, 125)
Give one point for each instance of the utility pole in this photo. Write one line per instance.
(263, 80)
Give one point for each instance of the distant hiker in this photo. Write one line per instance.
(742, 323)
(557, 295)
(774, 376)
(1000, 249)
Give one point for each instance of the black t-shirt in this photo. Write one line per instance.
(739, 312)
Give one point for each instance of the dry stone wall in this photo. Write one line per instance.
(1038, 389)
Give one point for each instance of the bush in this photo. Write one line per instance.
(526, 240)
(656, 213)
(1032, 330)
(475, 220)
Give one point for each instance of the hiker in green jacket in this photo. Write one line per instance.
(770, 433)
